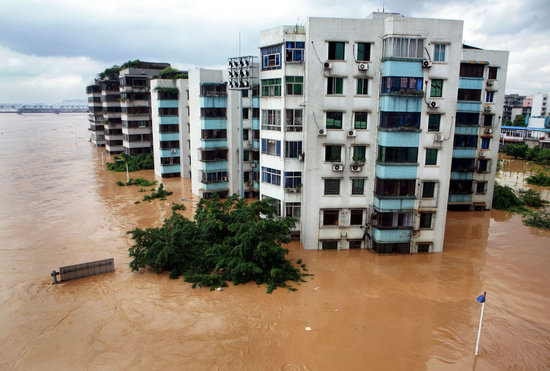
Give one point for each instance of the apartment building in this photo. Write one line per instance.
(171, 127)
(358, 128)
(110, 100)
(215, 112)
(135, 104)
(95, 115)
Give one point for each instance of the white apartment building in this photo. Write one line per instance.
(171, 127)
(358, 121)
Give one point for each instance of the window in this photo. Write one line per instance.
(355, 244)
(483, 166)
(400, 120)
(335, 85)
(359, 153)
(271, 147)
(245, 113)
(403, 47)
(330, 217)
(428, 189)
(293, 179)
(244, 93)
(362, 86)
(293, 149)
(356, 217)
(336, 50)
(271, 176)
(246, 156)
(271, 88)
(471, 70)
(294, 85)
(431, 156)
(397, 154)
(213, 177)
(395, 220)
(489, 96)
(294, 51)
(357, 186)
(293, 209)
(332, 153)
(395, 187)
(245, 134)
(463, 164)
(271, 119)
(493, 73)
(360, 120)
(426, 220)
(436, 88)
(211, 112)
(469, 94)
(466, 141)
(214, 134)
(481, 188)
(439, 53)
(363, 52)
(332, 186)
(329, 245)
(423, 247)
(488, 120)
(485, 143)
(271, 58)
(434, 121)
(293, 120)
(408, 85)
(467, 119)
(334, 120)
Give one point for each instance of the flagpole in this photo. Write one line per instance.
(480, 299)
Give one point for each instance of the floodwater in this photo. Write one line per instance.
(60, 207)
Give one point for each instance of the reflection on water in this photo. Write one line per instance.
(59, 206)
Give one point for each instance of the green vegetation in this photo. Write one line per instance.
(171, 73)
(160, 193)
(176, 206)
(142, 161)
(138, 181)
(504, 198)
(540, 179)
(522, 151)
(538, 219)
(113, 72)
(531, 198)
(226, 241)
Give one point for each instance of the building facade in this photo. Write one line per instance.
(358, 128)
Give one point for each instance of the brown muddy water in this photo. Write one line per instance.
(59, 207)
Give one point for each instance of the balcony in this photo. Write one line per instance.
(396, 171)
(464, 152)
(168, 136)
(390, 204)
(391, 235)
(460, 198)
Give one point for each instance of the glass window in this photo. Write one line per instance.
(271, 88)
(293, 209)
(329, 245)
(397, 154)
(431, 156)
(271, 176)
(293, 149)
(334, 120)
(436, 88)
(493, 73)
(359, 153)
(426, 220)
(293, 179)
(439, 53)
(271, 119)
(336, 50)
(332, 186)
(403, 47)
(357, 186)
(335, 85)
(293, 120)
(488, 120)
(483, 166)
(428, 189)
(360, 120)
(481, 188)
(489, 96)
(271, 147)
(423, 247)
(362, 86)
(294, 85)
(332, 153)
(401, 120)
(485, 143)
(271, 58)
(294, 51)
(434, 121)
(356, 217)
(402, 85)
(363, 52)
(471, 70)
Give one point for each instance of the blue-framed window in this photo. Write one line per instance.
(397, 84)
(271, 147)
(485, 143)
(293, 179)
(294, 51)
(396, 120)
(271, 176)
(271, 58)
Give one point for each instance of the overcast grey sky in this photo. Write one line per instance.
(51, 49)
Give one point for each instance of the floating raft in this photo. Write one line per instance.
(71, 272)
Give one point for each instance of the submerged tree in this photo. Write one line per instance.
(227, 241)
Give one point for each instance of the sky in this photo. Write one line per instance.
(51, 49)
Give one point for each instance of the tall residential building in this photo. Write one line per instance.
(214, 114)
(368, 124)
(136, 106)
(513, 102)
(95, 115)
(171, 127)
(110, 99)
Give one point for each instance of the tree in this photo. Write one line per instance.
(519, 120)
(228, 240)
(516, 150)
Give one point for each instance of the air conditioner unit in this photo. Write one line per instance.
(224, 179)
(439, 138)
(482, 154)
(433, 104)
(490, 82)
(174, 151)
(322, 132)
(338, 167)
(352, 133)
(488, 108)
(355, 168)
(327, 65)
(488, 131)
(426, 63)
(301, 156)
(415, 233)
(363, 67)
